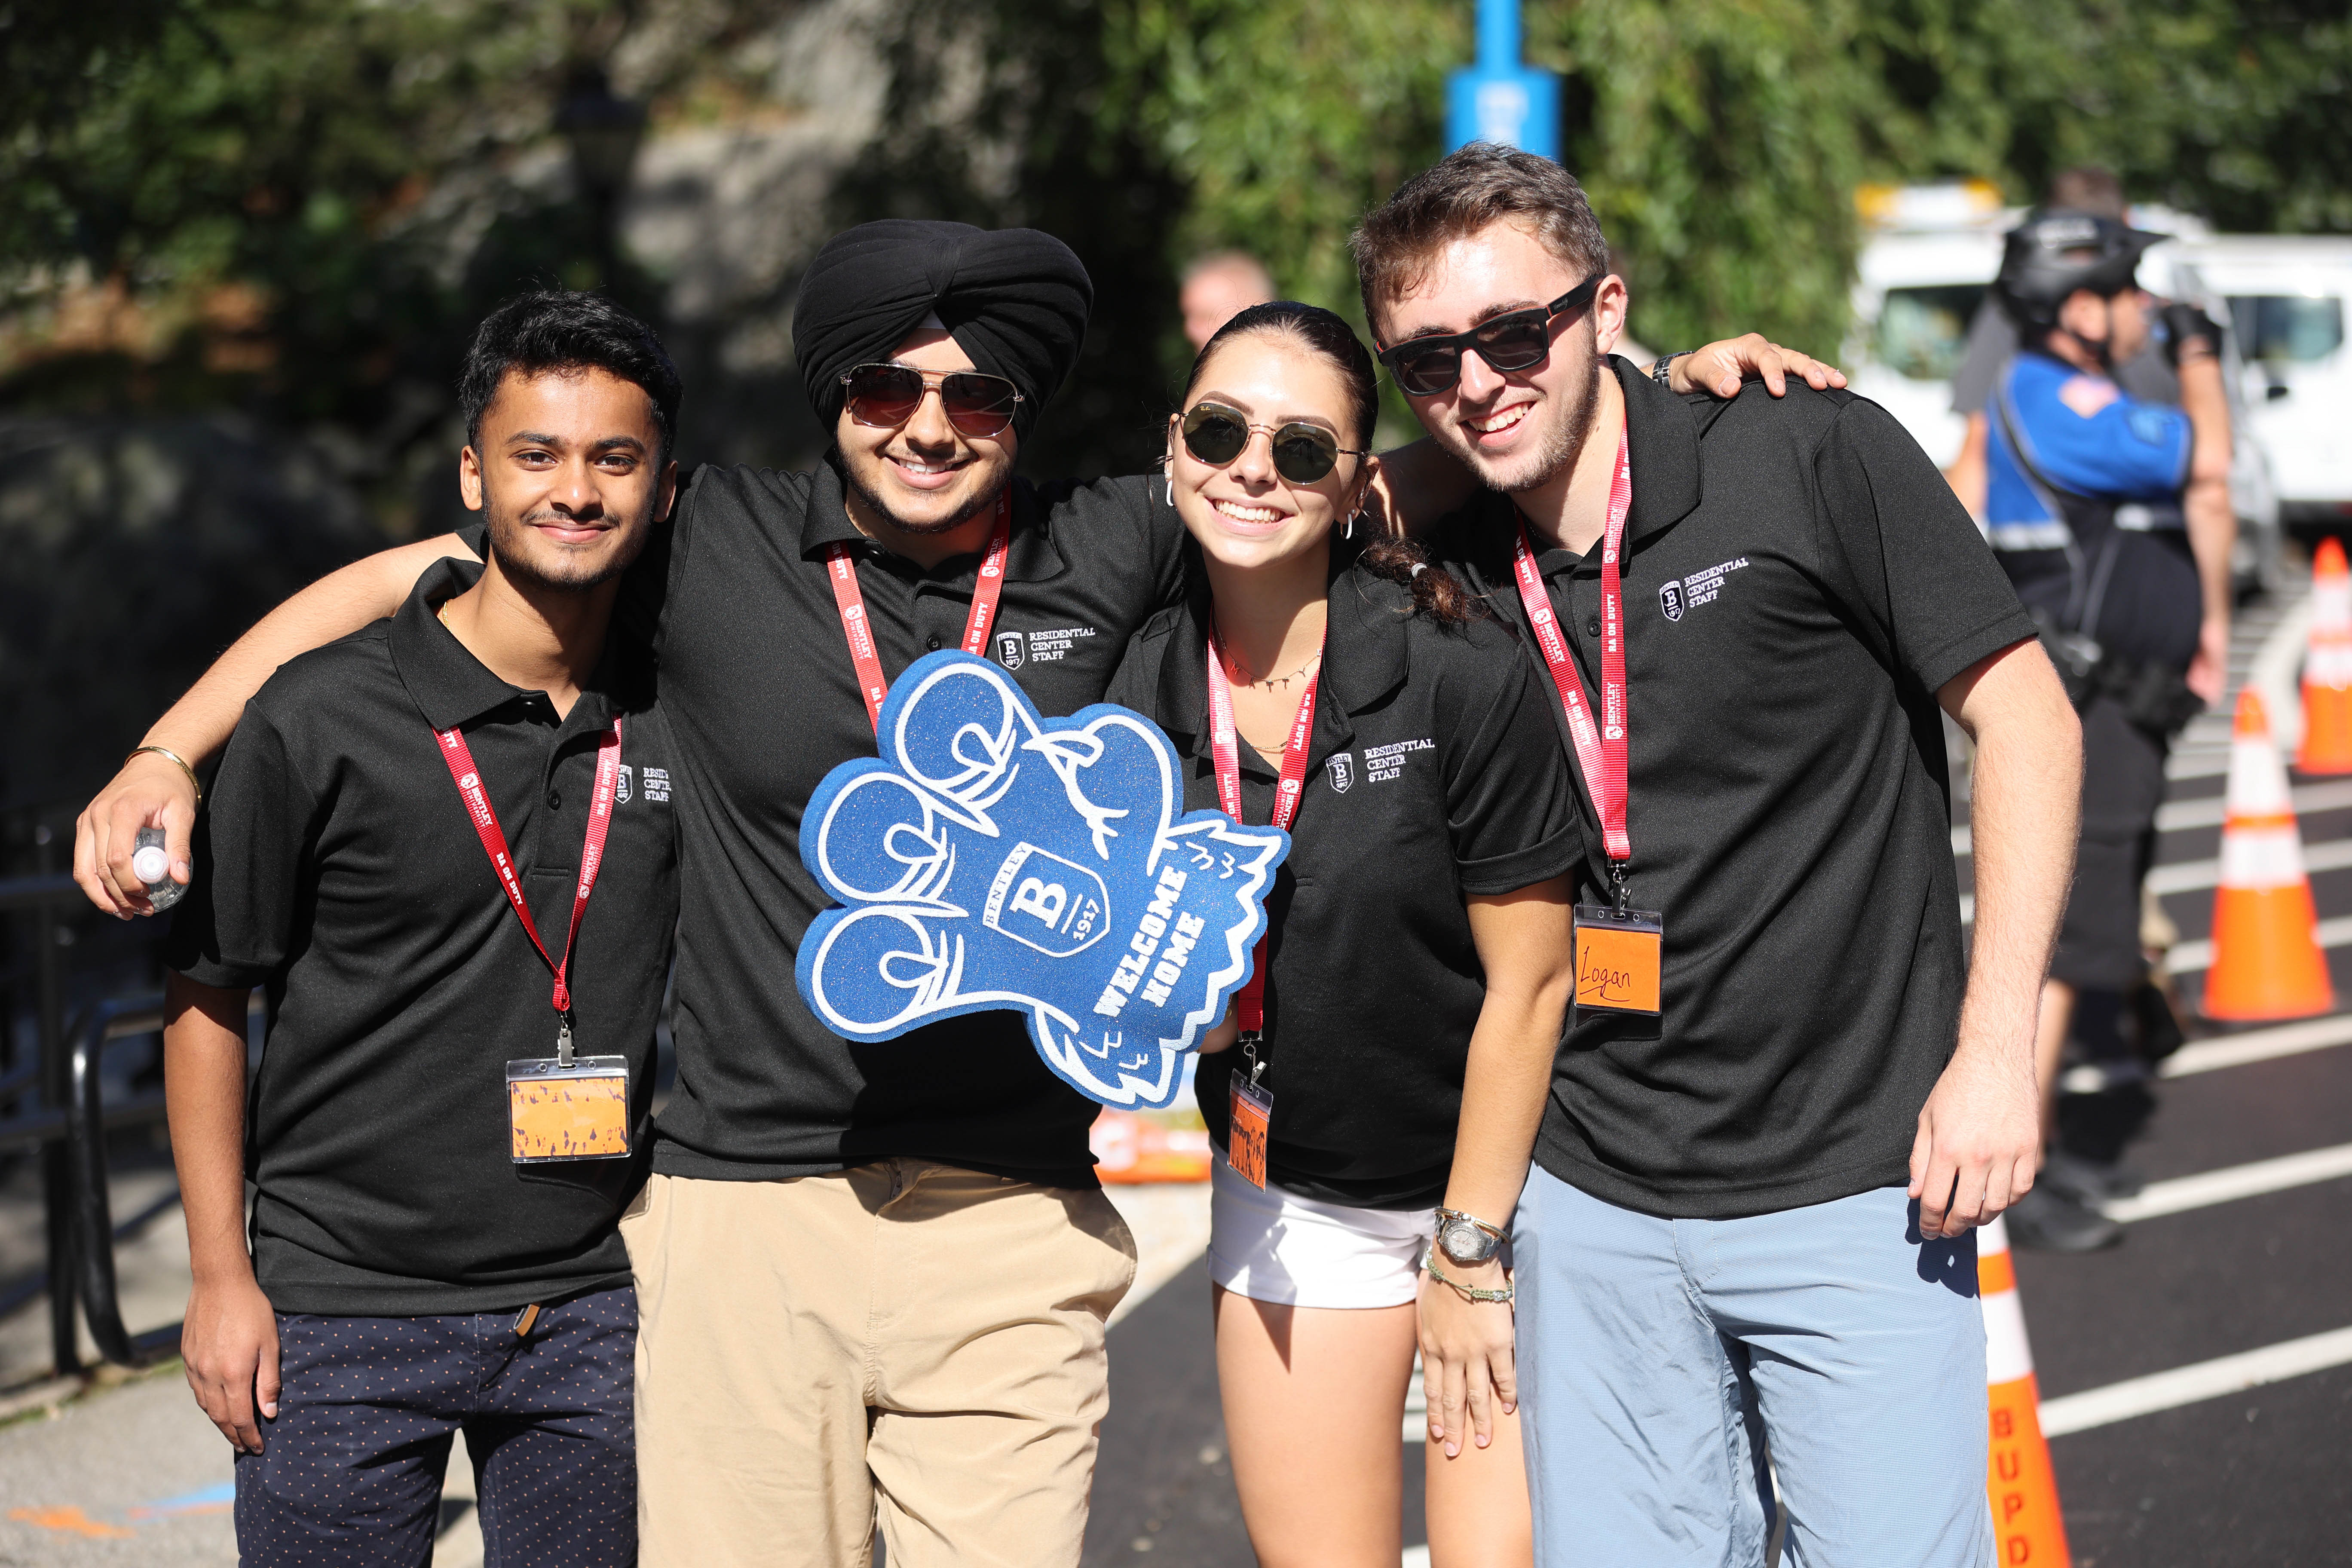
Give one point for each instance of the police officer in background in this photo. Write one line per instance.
(1993, 340)
(2112, 516)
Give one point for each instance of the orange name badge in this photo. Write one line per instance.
(1618, 957)
(575, 1113)
(1253, 1110)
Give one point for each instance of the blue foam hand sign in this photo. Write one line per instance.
(991, 858)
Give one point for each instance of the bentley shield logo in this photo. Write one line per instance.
(1670, 599)
(1343, 770)
(1009, 647)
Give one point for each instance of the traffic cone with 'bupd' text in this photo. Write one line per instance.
(2328, 666)
(2027, 1527)
(2266, 957)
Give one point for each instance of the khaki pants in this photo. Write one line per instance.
(907, 1338)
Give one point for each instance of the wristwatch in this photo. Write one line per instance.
(1466, 1239)
(1662, 369)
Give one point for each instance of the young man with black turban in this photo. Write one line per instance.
(868, 1276)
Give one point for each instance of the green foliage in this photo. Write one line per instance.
(361, 167)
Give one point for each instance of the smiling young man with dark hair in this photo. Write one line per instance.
(1781, 1106)
(444, 847)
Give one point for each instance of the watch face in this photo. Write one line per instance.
(1466, 1243)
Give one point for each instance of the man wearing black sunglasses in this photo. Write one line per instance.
(1782, 1105)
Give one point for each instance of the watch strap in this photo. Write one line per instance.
(1662, 369)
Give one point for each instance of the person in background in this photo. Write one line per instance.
(1217, 288)
(1789, 1095)
(1416, 972)
(444, 844)
(2112, 516)
(1993, 341)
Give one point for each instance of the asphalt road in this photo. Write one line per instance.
(2261, 1478)
(2258, 1477)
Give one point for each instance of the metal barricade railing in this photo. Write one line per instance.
(88, 1123)
(69, 1132)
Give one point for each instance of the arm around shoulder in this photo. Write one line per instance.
(153, 789)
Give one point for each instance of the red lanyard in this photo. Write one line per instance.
(1292, 783)
(461, 758)
(1599, 751)
(841, 564)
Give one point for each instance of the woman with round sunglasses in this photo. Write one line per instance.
(1409, 995)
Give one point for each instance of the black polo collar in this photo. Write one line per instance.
(1364, 659)
(450, 686)
(824, 522)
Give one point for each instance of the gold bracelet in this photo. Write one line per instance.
(1467, 1292)
(167, 752)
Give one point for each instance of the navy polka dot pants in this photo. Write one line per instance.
(349, 1472)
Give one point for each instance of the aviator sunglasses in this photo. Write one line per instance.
(1519, 341)
(978, 405)
(1303, 453)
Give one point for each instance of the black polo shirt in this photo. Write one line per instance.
(1798, 582)
(756, 680)
(1432, 772)
(336, 864)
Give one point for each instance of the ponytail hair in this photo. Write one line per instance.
(1436, 593)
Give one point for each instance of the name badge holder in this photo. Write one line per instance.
(561, 1107)
(1620, 954)
(1250, 1113)
(1619, 951)
(567, 1108)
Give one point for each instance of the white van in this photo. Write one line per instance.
(2286, 297)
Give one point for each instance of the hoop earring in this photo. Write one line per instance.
(1168, 478)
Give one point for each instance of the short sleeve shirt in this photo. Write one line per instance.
(1799, 584)
(2092, 440)
(337, 865)
(1433, 772)
(756, 681)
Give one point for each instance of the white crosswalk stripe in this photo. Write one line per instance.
(2188, 1384)
(2233, 1183)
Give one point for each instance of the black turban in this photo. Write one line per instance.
(1014, 300)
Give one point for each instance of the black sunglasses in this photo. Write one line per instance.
(1303, 453)
(1520, 341)
(977, 405)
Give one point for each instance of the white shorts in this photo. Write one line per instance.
(1274, 1246)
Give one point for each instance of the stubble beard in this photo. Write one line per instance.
(1555, 456)
(961, 515)
(552, 566)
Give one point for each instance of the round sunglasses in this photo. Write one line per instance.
(1303, 454)
(1520, 341)
(979, 406)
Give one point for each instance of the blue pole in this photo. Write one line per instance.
(1498, 36)
(1499, 99)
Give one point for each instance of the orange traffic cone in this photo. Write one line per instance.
(2027, 1526)
(2328, 666)
(2266, 957)
(1133, 1147)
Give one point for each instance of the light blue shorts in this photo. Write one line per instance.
(1656, 1357)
